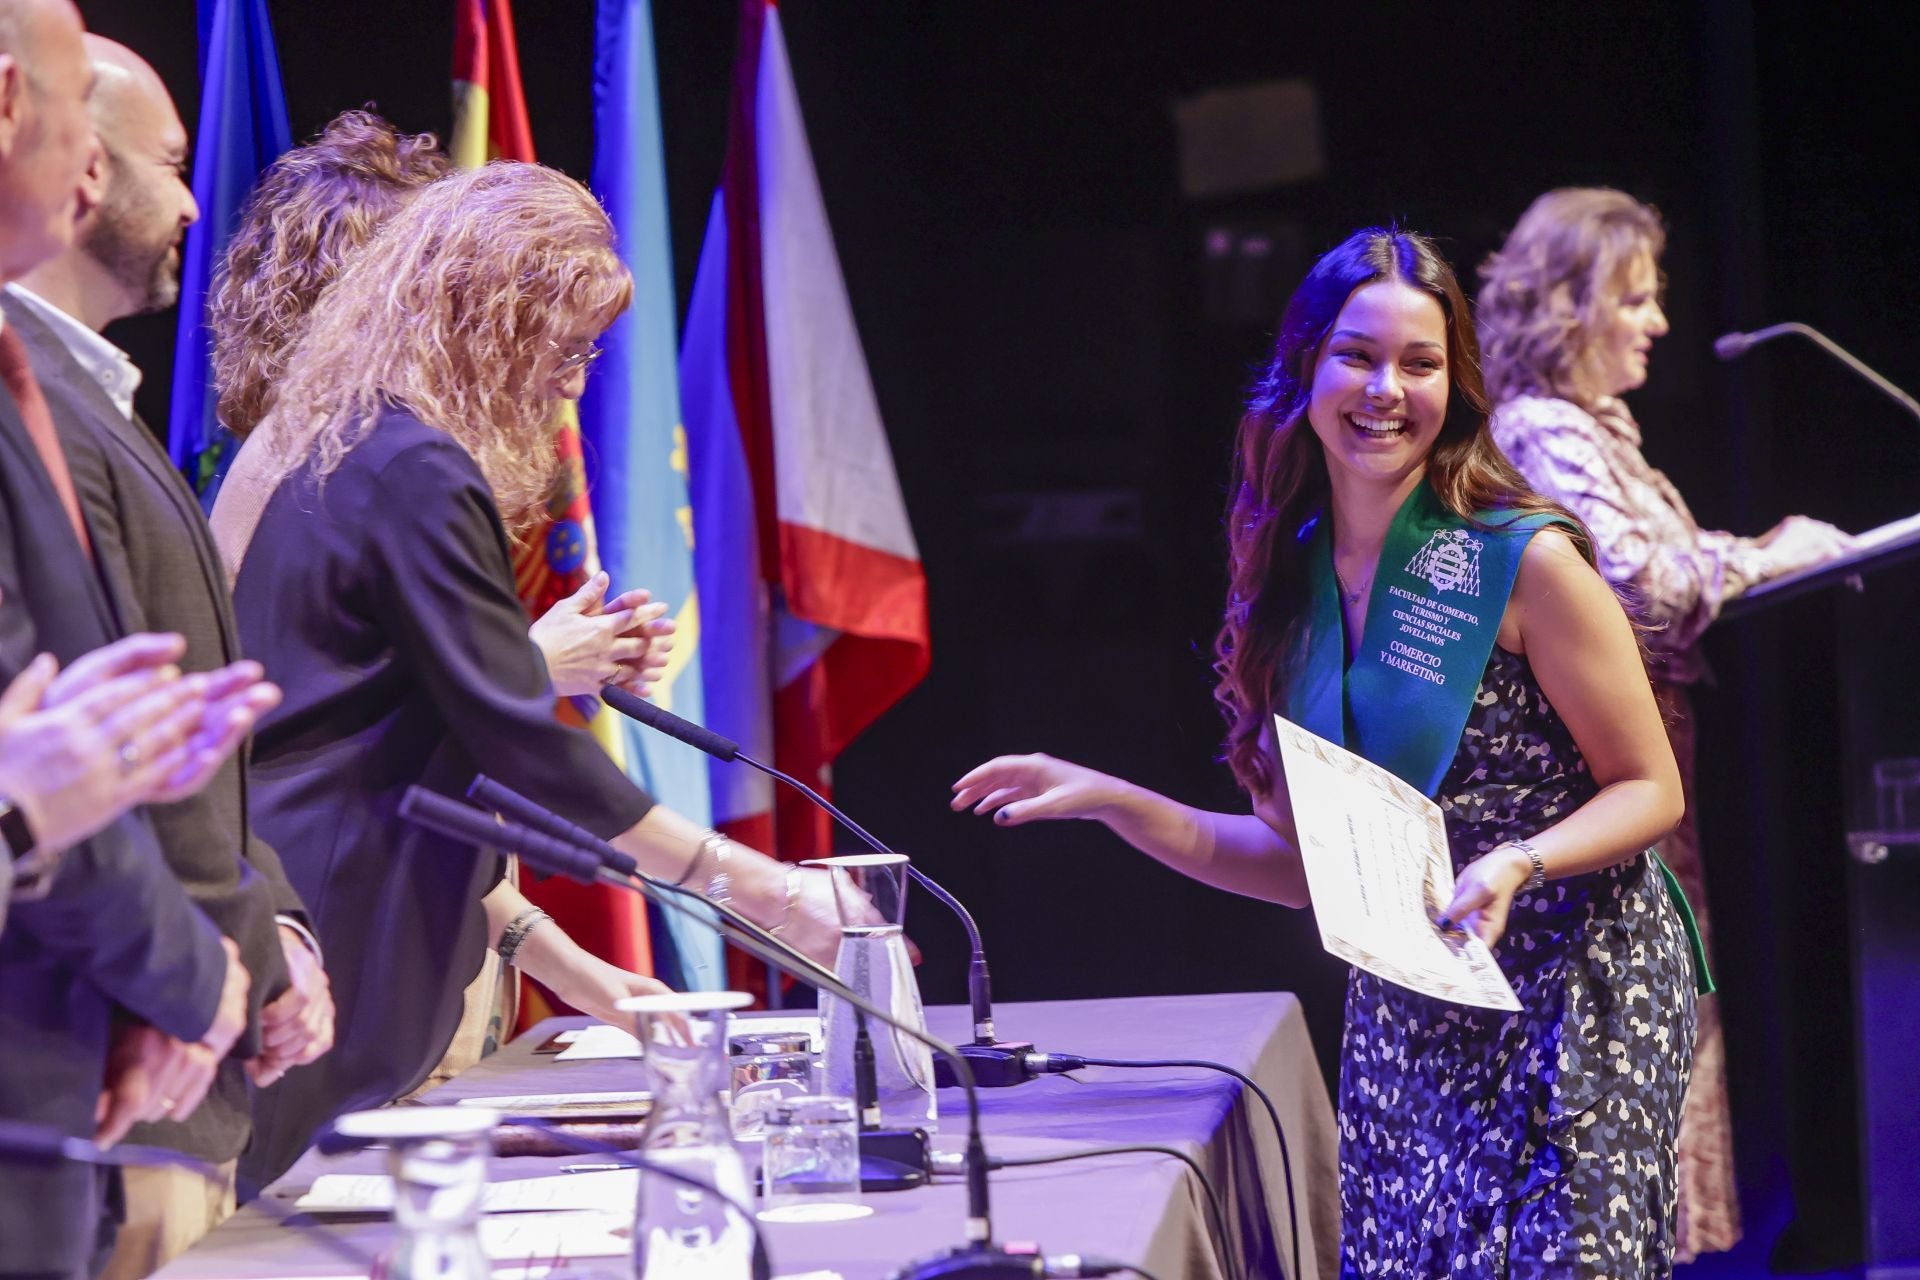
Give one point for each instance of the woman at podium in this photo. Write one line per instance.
(1372, 518)
(1569, 309)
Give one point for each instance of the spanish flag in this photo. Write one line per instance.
(555, 559)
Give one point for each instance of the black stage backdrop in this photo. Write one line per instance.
(1059, 338)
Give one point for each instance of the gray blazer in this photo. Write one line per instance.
(162, 573)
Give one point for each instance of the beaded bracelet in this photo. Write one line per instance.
(515, 934)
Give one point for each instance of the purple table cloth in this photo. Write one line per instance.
(1136, 1208)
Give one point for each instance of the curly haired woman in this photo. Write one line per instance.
(365, 522)
(1568, 311)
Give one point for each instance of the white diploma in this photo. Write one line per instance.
(1379, 870)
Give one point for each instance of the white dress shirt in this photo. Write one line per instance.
(105, 363)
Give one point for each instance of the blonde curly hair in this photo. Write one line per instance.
(313, 207)
(462, 310)
(1545, 295)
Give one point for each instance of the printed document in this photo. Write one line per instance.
(1380, 873)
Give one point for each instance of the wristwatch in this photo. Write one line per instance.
(29, 878)
(1538, 876)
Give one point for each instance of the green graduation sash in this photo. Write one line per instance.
(1433, 613)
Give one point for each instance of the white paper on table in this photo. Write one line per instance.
(619, 1104)
(601, 1040)
(546, 1239)
(1378, 867)
(604, 1191)
(604, 1040)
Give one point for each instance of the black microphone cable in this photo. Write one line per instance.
(1216, 1208)
(1062, 1062)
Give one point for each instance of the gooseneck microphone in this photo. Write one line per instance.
(890, 1160)
(1731, 346)
(978, 1258)
(996, 1063)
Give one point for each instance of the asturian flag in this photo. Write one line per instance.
(636, 447)
(813, 598)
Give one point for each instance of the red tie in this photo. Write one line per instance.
(17, 373)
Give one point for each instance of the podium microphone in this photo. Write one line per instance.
(1731, 346)
(996, 1063)
(979, 1258)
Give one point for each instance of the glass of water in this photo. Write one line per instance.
(1896, 785)
(811, 1169)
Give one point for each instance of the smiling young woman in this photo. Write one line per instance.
(1472, 1141)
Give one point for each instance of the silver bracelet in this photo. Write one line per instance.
(1539, 874)
(720, 883)
(515, 934)
(793, 900)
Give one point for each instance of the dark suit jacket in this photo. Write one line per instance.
(382, 600)
(162, 573)
(115, 926)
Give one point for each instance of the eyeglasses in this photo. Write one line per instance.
(577, 359)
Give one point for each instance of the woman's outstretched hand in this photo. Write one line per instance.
(1017, 789)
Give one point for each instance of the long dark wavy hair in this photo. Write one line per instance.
(1280, 476)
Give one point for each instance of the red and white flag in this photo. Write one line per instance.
(813, 597)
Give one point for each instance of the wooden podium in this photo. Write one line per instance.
(1876, 605)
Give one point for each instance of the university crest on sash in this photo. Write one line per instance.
(1450, 560)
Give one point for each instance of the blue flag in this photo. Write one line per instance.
(243, 127)
(630, 426)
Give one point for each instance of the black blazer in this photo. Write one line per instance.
(162, 573)
(115, 926)
(382, 601)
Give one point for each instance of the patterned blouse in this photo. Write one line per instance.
(1643, 534)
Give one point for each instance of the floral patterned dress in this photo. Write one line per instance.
(1475, 1142)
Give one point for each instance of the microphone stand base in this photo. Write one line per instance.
(893, 1159)
(975, 1262)
(995, 1066)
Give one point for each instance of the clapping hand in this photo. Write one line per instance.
(80, 747)
(590, 642)
(653, 631)
(235, 697)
